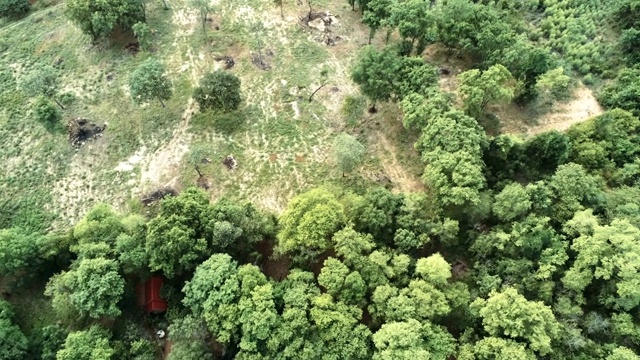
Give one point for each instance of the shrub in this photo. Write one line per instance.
(218, 90)
(14, 8)
(46, 112)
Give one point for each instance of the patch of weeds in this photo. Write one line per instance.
(353, 108)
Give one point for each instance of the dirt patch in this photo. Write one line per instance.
(227, 61)
(132, 48)
(273, 157)
(80, 131)
(299, 159)
(275, 268)
(582, 107)
(230, 162)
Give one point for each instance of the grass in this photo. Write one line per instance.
(282, 146)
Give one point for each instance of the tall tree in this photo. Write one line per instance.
(148, 82)
(509, 314)
(99, 19)
(94, 288)
(308, 223)
(91, 344)
(480, 88)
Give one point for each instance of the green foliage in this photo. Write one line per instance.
(509, 314)
(98, 20)
(91, 344)
(479, 89)
(148, 82)
(18, 252)
(142, 31)
(348, 152)
(46, 112)
(41, 81)
(414, 21)
(546, 151)
(178, 239)
(93, 288)
(512, 202)
(376, 73)
(218, 90)
(14, 8)
(308, 223)
(623, 92)
(384, 75)
(553, 85)
(607, 253)
(49, 341)
(13, 343)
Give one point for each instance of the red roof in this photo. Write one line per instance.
(149, 295)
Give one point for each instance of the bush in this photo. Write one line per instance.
(14, 8)
(46, 112)
(218, 90)
(143, 34)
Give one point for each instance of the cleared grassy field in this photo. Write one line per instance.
(282, 148)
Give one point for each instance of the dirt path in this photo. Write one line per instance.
(582, 107)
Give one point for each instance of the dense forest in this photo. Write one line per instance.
(519, 246)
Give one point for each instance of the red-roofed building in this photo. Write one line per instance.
(149, 295)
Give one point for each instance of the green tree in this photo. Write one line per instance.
(509, 314)
(376, 72)
(608, 254)
(218, 90)
(49, 340)
(414, 21)
(623, 92)
(189, 335)
(348, 152)
(43, 81)
(148, 82)
(545, 152)
(142, 31)
(574, 189)
(376, 15)
(99, 19)
(93, 288)
(177, 237)
(342, 284)
(14, 8)
(213, 294)
(412, 340)
(629, 41)
(553, 85)
(92, 344)
(494, 348)
(479, 89)
(13, 343)
(308, 223)
(18, 252)
(457, 177)
(512, 202)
